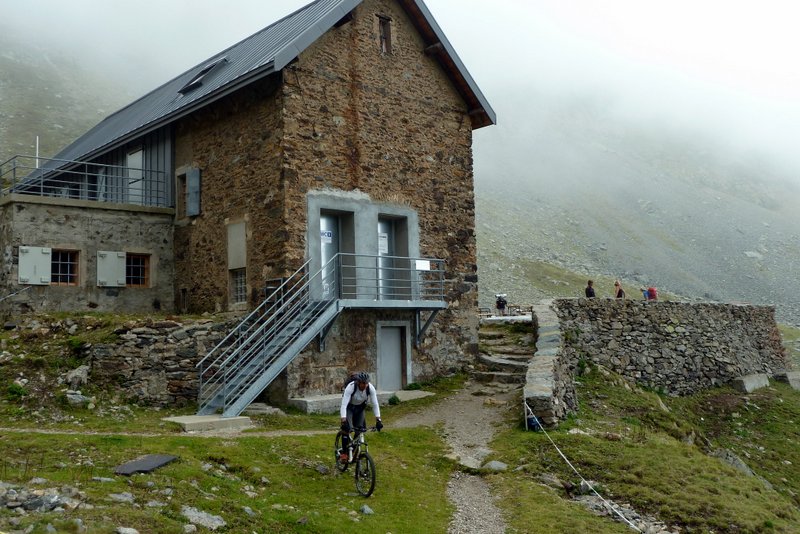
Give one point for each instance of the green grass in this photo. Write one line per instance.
(639, 447)
(216, 474)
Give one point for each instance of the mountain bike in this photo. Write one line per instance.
(357, 454)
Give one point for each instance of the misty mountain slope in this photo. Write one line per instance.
(596, 195)
(46, 94)
(568, 189)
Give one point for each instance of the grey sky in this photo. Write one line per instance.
(727, 68)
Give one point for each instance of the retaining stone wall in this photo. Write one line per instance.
(155, 364)
(679, 347)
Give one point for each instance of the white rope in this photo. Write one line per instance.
(529, 413)
(15, 293)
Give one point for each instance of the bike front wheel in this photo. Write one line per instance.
(337, 449)
(365, 474)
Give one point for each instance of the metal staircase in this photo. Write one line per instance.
(302, 307)
(252, 355)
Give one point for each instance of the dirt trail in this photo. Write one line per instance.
(468, 418)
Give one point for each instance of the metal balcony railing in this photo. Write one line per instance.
(80, 180)
(384, 278)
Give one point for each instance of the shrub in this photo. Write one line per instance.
(15, 392)
(394, 400)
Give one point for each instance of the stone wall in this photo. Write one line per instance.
(236, 145)
(154, 364)
(678, 347)
(87, 228)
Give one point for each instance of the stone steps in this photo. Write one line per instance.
(490, 335)
(503, 360)
(494, 363)
(510, 349)
(501, 377)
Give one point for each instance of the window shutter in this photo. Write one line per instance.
(192, 192)
(110, 268)
(34, 265)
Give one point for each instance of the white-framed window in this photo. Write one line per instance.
(238, 286)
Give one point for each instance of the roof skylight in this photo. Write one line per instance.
(197, 79)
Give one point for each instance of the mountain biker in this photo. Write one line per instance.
(354, 404)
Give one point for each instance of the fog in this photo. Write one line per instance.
(722, 70)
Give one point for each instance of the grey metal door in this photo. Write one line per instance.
(390, 358)
(329, 242)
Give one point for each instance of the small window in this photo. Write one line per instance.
(64, 268)
(238, 286)
(188, 193)
(137, 270)
(385, 29)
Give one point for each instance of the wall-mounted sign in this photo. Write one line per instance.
(383, 243)
(326, 236)
(422, 265)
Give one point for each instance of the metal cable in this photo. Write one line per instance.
(529, 413)
(15, 293)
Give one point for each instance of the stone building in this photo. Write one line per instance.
(317, 174)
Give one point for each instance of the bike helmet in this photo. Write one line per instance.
(362, 377)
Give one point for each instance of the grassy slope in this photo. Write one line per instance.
(640, 454)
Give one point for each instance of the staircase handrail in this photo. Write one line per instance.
(249, 342)
(259, 311)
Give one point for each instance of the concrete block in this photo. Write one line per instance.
(198, 423)
(750, 383)
(789, 377)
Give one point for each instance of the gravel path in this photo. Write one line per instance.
(468, 418)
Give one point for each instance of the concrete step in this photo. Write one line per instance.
(199, 423)
(331, 403)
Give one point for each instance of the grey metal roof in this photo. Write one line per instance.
(257, 56)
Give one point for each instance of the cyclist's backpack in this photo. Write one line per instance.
(350, 378)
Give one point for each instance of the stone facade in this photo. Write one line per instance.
(676, 347)
(87, 228)
(343, 118)
(392, 127)
(235, 143)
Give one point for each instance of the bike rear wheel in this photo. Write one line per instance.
(365, 474)
(337, 449)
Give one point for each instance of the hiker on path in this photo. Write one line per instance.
(619, 293)
(501, 304)
(589, 291)
(354, 404)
